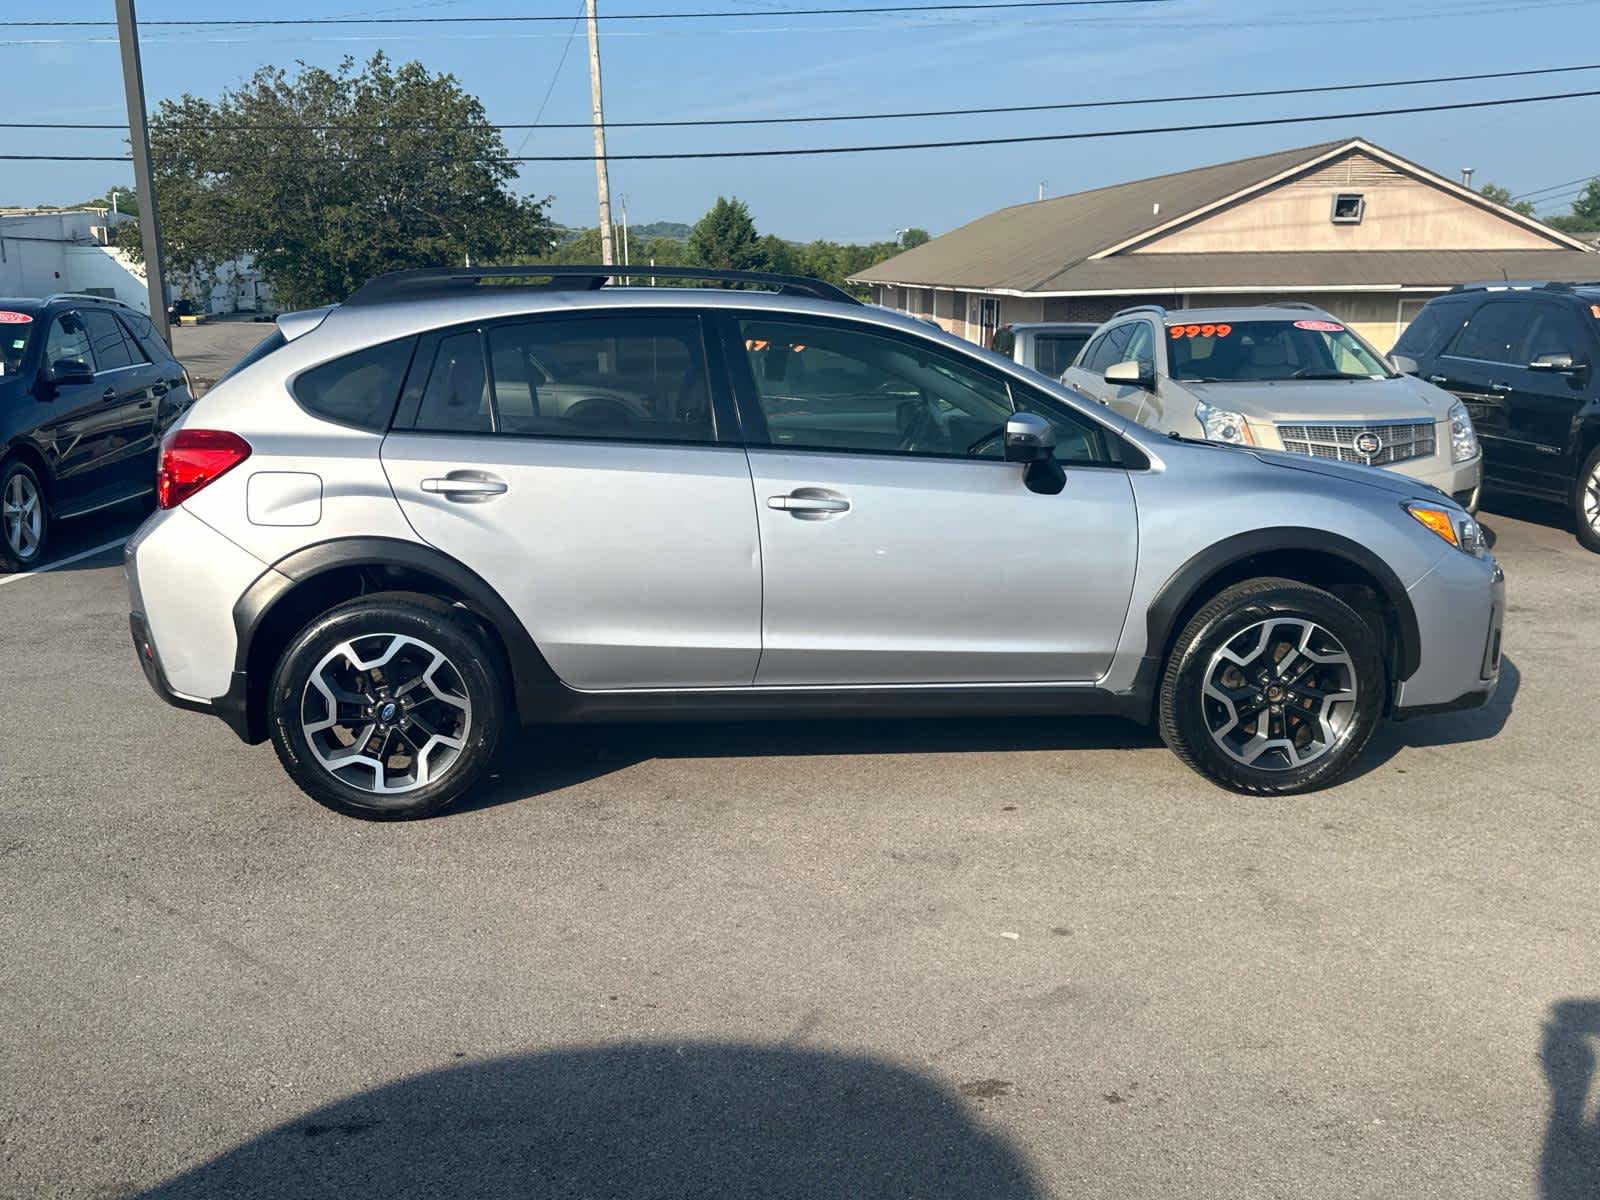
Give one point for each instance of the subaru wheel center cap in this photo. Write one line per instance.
(386, 713)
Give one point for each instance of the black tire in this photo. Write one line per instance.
(1588, 476)
(473, 673)
(32, 551)
(1187, 715)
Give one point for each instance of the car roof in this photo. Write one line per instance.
(27, 304)
(1247, 312)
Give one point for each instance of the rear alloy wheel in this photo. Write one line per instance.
(1273, 688)
(1586, 503)
(24, 518)
(388, 707)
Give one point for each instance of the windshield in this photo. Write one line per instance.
(1245, 351)
(15, 328)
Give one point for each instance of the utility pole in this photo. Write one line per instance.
(143, 182)
(602, 179)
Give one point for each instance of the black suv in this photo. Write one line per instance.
(1522, 357)
(87, 391)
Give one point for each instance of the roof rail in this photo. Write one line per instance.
(443, 281)
(1305, 305)
(1137, 308)
(87, 296)
(1499, 285)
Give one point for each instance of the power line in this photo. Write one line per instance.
(1554, 187)
(882, 116)
(1139, 131)
(236, 22)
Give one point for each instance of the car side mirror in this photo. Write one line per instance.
(66, 371)
(1031, 440)
(1404, 364)
(1558, 364)
(1135, 374)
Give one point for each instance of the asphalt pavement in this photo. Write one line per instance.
(959, 958)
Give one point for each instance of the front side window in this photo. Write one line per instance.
(1497, 332)
(1141, 347)
(1107, 349)
(68, 341)
(822, 387)
(1557, 331)
(360, 389)
(456, 398)
(1258, 351)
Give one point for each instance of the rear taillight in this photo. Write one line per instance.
(192, 458)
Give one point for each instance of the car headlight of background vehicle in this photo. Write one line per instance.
(1457, 528)
(1463, 437)
(1221, 425)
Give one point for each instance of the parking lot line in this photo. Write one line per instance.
(65, 562)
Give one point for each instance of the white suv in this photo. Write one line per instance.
(1283, 377)
(407, 523)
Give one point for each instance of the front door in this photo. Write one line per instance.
(134, 385)
(1480, 366)
(80, 420)
(897, 546)
(575, 463)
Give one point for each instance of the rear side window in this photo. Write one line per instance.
(1055, 352)
(112, 347)
(1428, 328)
(1497, 332)
(360, 389)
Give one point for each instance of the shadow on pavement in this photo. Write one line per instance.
(633, 1121)
(1446, 729)
(549, 758)
(1569, 1167)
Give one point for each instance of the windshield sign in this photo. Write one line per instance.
(1262, 351)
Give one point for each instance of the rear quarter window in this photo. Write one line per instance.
(360, 389)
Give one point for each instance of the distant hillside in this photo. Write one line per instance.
(675, 231)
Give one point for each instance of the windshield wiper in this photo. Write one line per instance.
(1308, 374)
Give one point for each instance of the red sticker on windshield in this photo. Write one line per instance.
(16, 318)
(1320, 326)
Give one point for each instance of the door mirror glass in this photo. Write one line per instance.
(1403, 364)
(66, 371)
(1029, 438)
(1128, 372)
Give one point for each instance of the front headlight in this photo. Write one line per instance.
(1463, 437)
(1223, 426)
(1457, 528)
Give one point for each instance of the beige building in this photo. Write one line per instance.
(1346, 225)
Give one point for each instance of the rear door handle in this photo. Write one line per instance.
(109, 395)
(1501, 387)
(810, 503)
(465, 487)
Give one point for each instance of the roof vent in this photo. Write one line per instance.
(1155, 209)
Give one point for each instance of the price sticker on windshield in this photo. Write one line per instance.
(16, 318)
(1194, 331)
(1320, 326)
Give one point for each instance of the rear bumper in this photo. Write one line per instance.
(230, 706)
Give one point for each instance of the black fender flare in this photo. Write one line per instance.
(532, 678)
(1175, 594)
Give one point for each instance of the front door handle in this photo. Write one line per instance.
(810, 503)
(465, 487)
(1439, 379)
(1501, 387)
(109, 395)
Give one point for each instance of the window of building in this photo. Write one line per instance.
(1349, 208)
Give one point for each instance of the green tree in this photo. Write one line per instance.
(1586, 208)
(911, 238)
(1496, 194)
(331, 177)
(778, 255)
(726, 238)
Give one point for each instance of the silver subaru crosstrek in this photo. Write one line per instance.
(405, 524)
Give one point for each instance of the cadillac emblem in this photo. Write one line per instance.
(1368, 444)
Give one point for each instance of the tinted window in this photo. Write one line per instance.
(111, 346)
(145, 334)
(1056, 351)
(359, 389)
(1141, 347)
(68, 341)
(14, 337)
(641, 378)
(1079, 441)
(1497, 332)
(1557, 331)
(1429, 328)
(1108, 349)
(826, 387)
(456, 398)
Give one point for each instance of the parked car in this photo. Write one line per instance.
(827, 509)
(87, 390)
(1047, 346)
(1521, 358)
(1281, 377)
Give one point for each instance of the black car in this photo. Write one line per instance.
(1522, 357)
(87, 391)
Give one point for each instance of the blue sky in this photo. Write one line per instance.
(774, 66)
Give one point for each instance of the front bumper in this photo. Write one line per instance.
(1460, 607)
(1462, 482)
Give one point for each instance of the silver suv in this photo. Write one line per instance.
(1282, 377)
(405, 524)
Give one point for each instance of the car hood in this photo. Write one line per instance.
(1387, 481)
(1346, 400)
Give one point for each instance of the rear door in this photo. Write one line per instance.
(1482, 365)
(132, 383)
(897, 546)
(1542, 410)
(585, 466)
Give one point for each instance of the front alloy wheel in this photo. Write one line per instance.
(1274, 687)
(23, 518)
